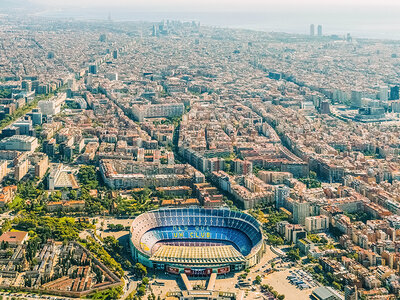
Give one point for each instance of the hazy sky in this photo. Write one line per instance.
(363, 18)
(220, 4)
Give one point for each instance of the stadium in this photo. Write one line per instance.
(196, 241)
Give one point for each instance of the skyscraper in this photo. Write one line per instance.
(115, 54)
(103, 37)
(325, 107)
(281, 195)
(312, 30)
(319, 30)
(394, 92)
(93, 69)
(356, 99)
(383, 93)
(301, 210)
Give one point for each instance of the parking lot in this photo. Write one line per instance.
(301, 279)
(280, 282)
(233, 282)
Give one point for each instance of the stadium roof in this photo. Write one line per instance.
(197, 255)
(326, 293)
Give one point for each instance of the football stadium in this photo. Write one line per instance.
(196, 241)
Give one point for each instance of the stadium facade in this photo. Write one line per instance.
(196, 241)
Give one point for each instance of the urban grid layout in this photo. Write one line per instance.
(175, 160)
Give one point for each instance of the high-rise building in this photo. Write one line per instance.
(115, 54)
(36, 116)
(26, 85)
(41, 166)
(103, 37)
(325, 107)
(394, 92)
(319, 30)
(35, 85)
(383, 93)
(312, 30)
(42, 89)
(50, 147)
(154, 33)
(68, 153)
(356, 97)
(20, 170)
(281, 195)
(3, 169)
(301, 210)
(93, 69)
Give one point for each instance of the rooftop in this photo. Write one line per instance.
(14, 237)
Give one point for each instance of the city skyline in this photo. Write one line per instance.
(372, 19)
(220, 153)
(212, 5)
